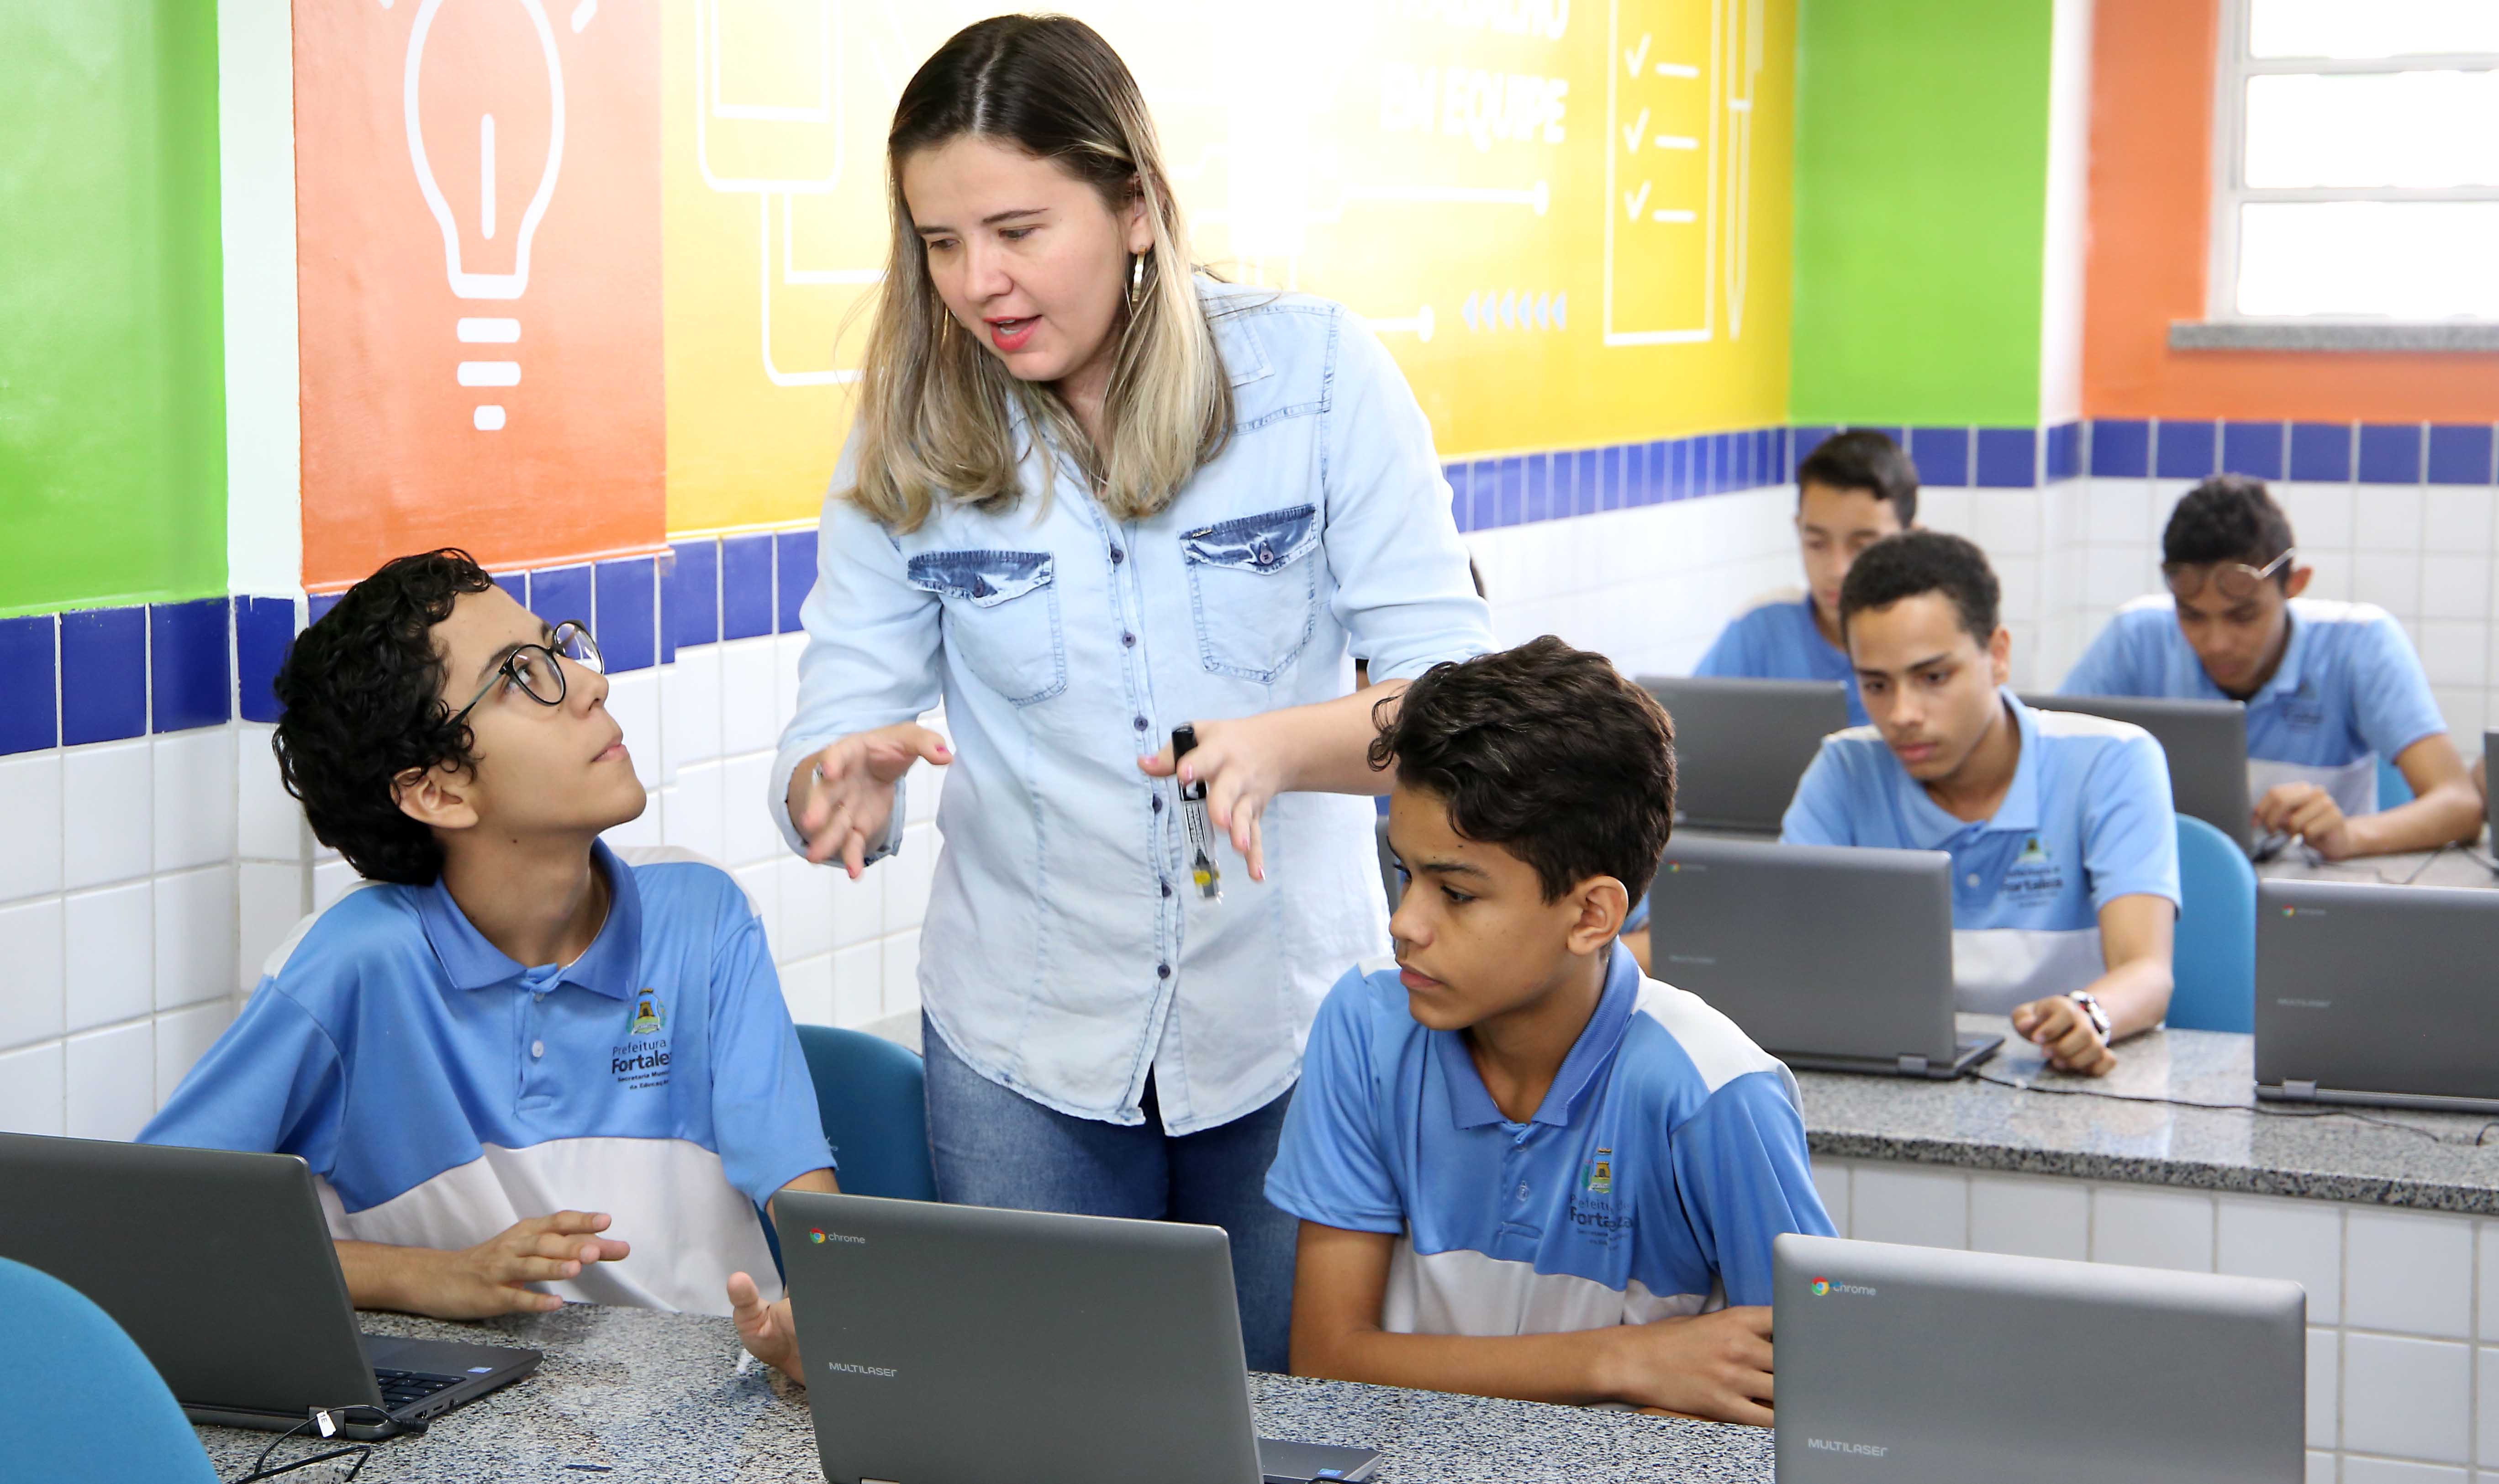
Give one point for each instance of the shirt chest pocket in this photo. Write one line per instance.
(1253, 588)
(1001, 618)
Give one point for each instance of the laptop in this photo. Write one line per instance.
(2207, 743)
(219, 1266)
(954, 1343)
(1942, 1367)
(1833, 958)
(1740, 745)
(2371, 993)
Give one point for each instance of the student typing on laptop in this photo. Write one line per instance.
(1523, 1168)
(524, 1070)
(2330, 686)
(2064, 845)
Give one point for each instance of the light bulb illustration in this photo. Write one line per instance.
(505, 74)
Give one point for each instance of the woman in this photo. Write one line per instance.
(1092, 497)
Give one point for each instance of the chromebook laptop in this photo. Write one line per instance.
(953, 1343)
(1740, 745)
(1833, 958)
(1943, 1366)
(2375, 994)
(2207, 743)
(220, 1267)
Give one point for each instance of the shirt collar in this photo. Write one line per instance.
(1474, 1108)
(608, 967)
(1930, 828)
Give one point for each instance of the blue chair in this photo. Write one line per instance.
(2393, 787)
(871, 1095)
(76, 1399)
(2215, 962)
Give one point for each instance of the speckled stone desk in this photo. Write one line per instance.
(629, 1394)
(2389, 1220)
(2455, 866)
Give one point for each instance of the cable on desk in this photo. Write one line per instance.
(2427, 861)
(2260, 1109)
(260, 1469)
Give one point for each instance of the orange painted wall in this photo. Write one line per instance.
(2152, 130)
(394, 461)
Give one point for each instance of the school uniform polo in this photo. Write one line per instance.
(441, 1091)
(2349, 691)
(2086, 820)
(1777, 639)
(1648, 1184)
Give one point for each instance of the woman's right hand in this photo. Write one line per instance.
(841, 800)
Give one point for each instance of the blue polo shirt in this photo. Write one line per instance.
(2349, 689)
(1776, 640)
(1649, 1183)
(2086, 820)
(442, 1091)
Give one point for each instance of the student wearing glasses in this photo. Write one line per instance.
(524, 1068)
(2330, 686)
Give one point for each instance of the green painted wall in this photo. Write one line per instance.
(1921, 181)
(113, 470)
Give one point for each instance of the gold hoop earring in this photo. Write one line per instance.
(1136, 278)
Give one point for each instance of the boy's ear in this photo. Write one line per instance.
(1603, 905)
(436, 798)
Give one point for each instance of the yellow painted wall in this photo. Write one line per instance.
(1569, 222)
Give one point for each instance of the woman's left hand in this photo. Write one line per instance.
(1244, 764)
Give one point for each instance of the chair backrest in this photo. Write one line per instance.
(78, 1400)
(870, 1095)
(2394, 787)
(2215, 961)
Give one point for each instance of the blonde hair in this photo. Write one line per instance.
(933, 414)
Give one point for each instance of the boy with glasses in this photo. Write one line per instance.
(525, 1069)
(2330, 687)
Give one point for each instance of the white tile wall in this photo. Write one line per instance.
(2397, 1387)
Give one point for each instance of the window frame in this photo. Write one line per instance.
(2234, 66)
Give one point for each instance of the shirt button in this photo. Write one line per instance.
(1522, 1190)
(537, 1048)
(1971, 878)
(1118, 555)
(1166, 889)
(1159, 804)
(1162, 971)
(1128, 640)
(1140, 723)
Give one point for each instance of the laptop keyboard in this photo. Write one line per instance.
(404, 1388)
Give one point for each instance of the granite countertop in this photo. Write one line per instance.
(634, 1394)
(2372, 1156)
(2457, 865)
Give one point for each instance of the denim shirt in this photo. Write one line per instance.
(1065, 952)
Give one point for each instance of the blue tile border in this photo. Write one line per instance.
(97, 675)
(29, 694)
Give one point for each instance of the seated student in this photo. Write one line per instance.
(1522, 1169)
(2330, 687)
(1853, 490)
(506, 1032)
(2064, 850)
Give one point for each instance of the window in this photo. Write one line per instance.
(2357, 161)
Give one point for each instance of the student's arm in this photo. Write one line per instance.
(482, 1282)
(2106, 667)
(769, 1331)
(1714, 1366)
(1728, 654)
(2447, 809)
(2136, 934)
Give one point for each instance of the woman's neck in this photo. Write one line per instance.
(1088, 388)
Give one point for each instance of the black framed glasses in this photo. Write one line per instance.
(537, 668)
(2237, 580)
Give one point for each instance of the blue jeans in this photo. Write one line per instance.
(995, 1147)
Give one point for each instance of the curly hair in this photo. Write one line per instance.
(1920, 561)
(2228, 518)
(360, 704)
(1545, 750)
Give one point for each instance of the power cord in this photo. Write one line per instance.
(2259, 1109)
(326, 1420)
